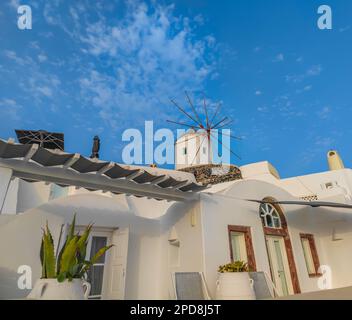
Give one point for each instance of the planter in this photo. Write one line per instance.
(51, 289)
(234, 286)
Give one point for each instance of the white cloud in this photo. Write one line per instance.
(343, 29)
(42, 57)
(14, 3)
(41, 85)
(19, 60)
(10, 108)
(258, 93)
(324, 142)
(305, 89)
(262, 109)
(152, 56)
(313, 71)
(324, 113)
(36, 82)
(280, 57)
(46, 91)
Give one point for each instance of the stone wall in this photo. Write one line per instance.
(213, 173)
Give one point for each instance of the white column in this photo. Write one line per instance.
(5, 178)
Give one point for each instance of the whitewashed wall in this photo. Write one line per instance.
(31, 195)
(201, 229)
(339, 258)
(182, 221)
(219, 211)
(10, 204)
(20, 240)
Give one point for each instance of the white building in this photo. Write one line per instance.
(162, 221)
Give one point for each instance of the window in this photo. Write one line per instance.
(241, 248)
(204, 150)
(270, 216)
(184, 151)
(310, 254)
(238, 244)
(96, 272)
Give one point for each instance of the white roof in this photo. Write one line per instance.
(33, 163)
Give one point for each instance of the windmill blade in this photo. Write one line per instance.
(188, 139)
(206, 112)
(215, 114)
(194, 110)
(236, 155)
(229, 135)
(197, 151)
(183, 111)
(218, 123)
(313, 204)
(183, 124)
(225, 124)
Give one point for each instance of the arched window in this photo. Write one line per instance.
(270, 216)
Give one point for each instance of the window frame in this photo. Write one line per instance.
(248, 243)
(273, 214)
(313, 252)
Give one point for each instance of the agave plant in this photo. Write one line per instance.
(237, 266)
(68, 263)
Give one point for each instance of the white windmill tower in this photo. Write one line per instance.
(194, 148)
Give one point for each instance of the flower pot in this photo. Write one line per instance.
(234, 286)
(51, 289)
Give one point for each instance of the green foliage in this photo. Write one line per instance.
(237, 266)
(49, 255)
(70, 262)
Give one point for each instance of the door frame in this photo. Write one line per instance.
(273, 264)
(283, 232)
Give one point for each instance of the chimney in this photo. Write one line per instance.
(335, 161)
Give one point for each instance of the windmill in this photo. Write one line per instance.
(207, 127)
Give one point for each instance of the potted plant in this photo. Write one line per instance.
(234, 283)
(63, 273)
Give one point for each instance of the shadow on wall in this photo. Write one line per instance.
(101, 210)
(175, 213)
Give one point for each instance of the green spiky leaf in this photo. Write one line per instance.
(71, 232)
(68, 257)
(49, 255)
(100, 253)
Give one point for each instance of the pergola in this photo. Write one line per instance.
(33, 163)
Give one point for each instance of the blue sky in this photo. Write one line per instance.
(100, 67)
